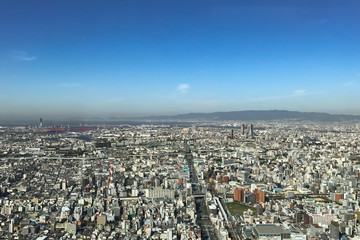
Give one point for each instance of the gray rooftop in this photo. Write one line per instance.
(269, 229)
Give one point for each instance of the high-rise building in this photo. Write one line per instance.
(41, 123)
(242, 129)
(231, 134)
(249, 197)
(259, 195)
(238, 194)
(11, 226)
(112, 183)
(251, 130)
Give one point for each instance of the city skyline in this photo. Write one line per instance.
(122, 59)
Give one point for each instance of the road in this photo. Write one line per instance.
(230, 223)
(207, 228)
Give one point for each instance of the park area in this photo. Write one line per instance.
(238, 209)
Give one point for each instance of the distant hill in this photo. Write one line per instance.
(252, 115)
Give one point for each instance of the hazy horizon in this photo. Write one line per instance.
(82, 59)
(49, 119)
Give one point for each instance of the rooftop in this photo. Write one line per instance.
(269, 229)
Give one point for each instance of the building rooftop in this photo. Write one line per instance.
(268, 229)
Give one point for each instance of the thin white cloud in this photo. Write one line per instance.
(22, 56)
(69, 84)
(115, 100)
(183, 87)
(300, 92)
(295, 93)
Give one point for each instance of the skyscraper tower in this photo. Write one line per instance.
(251, 132)
(231, 134)
(41, 123)
(242, 129)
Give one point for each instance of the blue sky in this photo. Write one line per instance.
(132, 58)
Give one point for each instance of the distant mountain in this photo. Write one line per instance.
(253, 115)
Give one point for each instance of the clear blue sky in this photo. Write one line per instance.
(129, 58)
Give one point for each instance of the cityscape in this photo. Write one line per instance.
(184, 180)
(179, 120)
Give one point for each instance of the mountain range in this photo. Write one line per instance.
(251, 115)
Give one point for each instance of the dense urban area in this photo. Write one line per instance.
(190, 180)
